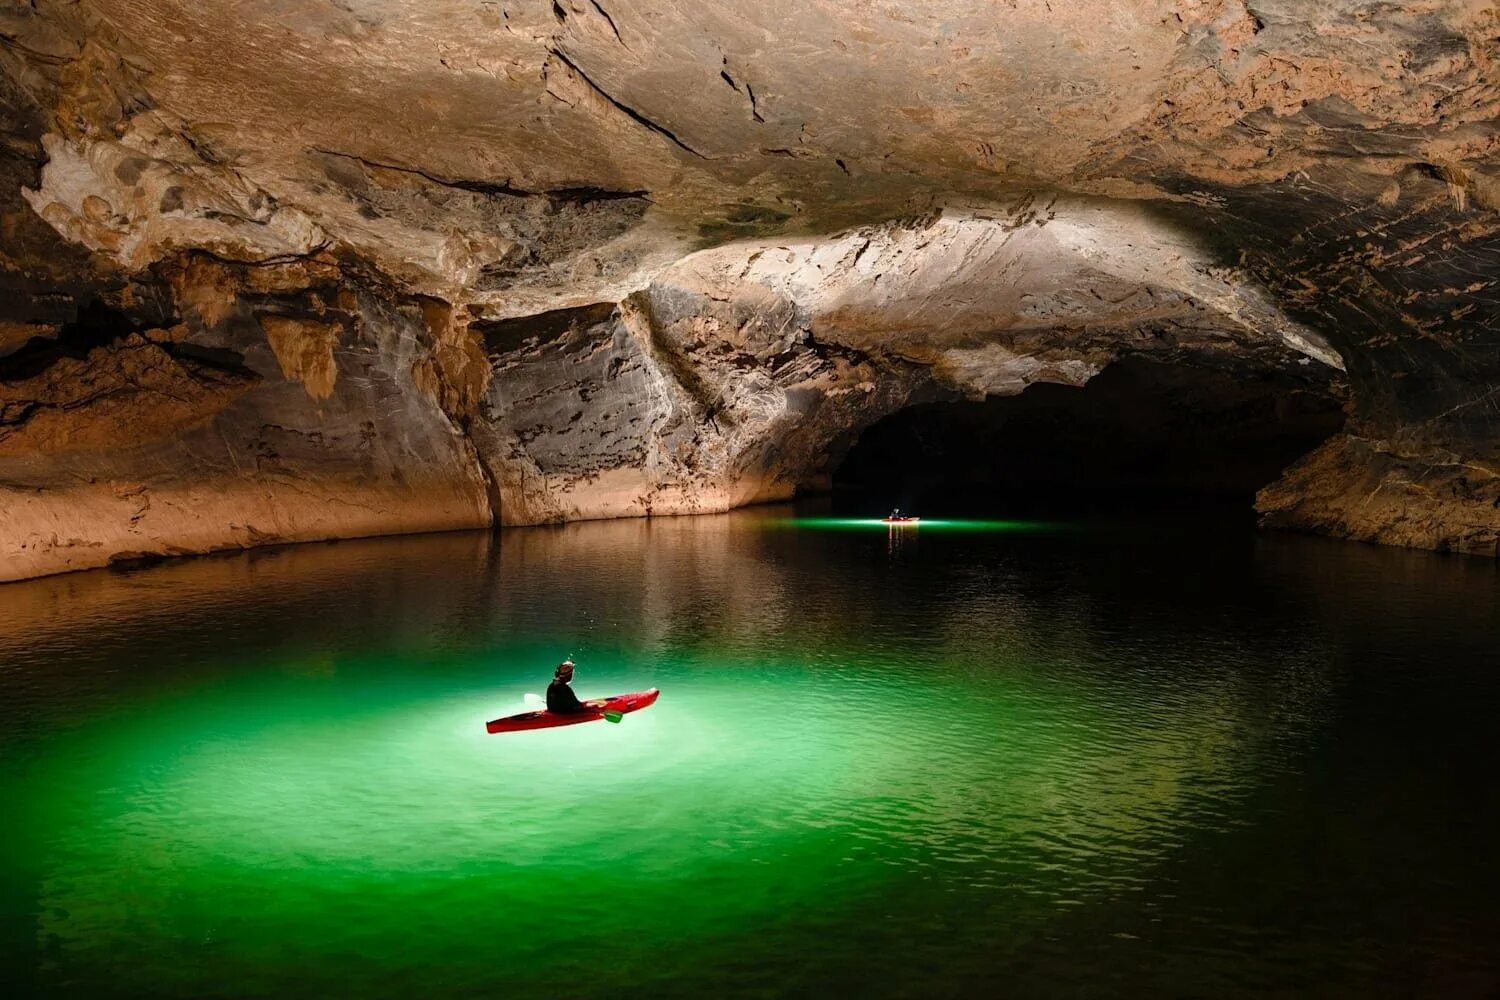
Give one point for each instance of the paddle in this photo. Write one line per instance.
(610, 714)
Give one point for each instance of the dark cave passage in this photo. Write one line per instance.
(1140, 436)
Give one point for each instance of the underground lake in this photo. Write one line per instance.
(1031, 758)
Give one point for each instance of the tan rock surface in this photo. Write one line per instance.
(534, 261)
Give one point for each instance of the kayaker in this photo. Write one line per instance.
(560, 697)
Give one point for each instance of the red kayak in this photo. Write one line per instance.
(622, 703)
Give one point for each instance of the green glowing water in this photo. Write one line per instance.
(1061, 761)
(927, 524)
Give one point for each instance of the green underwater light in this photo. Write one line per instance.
(994, 762)
(952, 525)
(300, 831)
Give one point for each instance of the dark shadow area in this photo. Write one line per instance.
(1139, 437)
(96, 325)
(100, 325)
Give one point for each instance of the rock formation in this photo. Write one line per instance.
(275, 272)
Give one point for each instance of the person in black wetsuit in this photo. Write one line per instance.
(560, 697)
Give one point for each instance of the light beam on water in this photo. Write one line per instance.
(864, 771)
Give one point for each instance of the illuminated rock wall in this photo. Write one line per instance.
(274, 274)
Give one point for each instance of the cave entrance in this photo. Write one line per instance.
(1140, 436)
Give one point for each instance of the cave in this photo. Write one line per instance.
(367, 366)
(464, 266)
(1141, 437)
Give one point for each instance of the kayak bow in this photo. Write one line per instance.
(543, 719)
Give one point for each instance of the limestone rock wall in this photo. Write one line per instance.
(1371, 490)
(285, 406)
(742, 374)
(273, 272)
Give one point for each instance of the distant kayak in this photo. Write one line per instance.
(622, 703)
(901, 520)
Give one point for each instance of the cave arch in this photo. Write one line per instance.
(1142, 434)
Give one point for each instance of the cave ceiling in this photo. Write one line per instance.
(951, 196)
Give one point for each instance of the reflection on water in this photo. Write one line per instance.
(1070, 759)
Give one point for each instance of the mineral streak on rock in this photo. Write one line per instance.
(271, 274)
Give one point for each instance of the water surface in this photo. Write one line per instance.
(1020, 758)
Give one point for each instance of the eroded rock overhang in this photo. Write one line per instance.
(736, 375)
(443, 265)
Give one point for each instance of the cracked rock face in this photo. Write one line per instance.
(275, 271)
